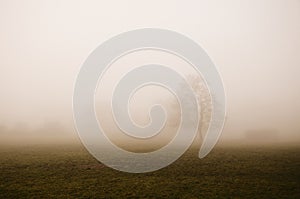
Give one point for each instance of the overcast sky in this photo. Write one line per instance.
(254, 44)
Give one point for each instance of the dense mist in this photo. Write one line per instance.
(43, 45)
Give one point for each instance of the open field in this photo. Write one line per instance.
(227, 172)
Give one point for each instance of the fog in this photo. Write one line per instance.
(254, 44)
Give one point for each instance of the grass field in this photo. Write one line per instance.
(227, 172)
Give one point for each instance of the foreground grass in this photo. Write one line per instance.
(227, 172)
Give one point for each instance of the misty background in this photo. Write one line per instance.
(254, 44)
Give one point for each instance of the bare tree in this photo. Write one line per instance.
(204, 103)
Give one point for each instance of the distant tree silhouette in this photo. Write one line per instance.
(204, 103)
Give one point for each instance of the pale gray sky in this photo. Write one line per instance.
(255, 45)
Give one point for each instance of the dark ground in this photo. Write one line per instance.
(227, 172)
